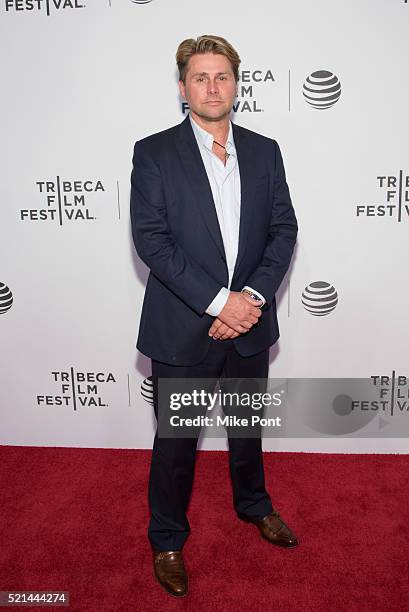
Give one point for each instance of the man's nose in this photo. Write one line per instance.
(212, 87)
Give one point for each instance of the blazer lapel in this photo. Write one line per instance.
(196, 174)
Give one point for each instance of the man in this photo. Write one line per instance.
(212, 218)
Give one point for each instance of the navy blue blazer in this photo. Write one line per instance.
(176, 233)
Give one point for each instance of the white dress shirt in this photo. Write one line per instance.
(226, 190)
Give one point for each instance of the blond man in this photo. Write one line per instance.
(213, 220)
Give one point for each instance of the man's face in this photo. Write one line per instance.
(210, 86)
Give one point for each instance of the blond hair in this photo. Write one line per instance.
(206, 44)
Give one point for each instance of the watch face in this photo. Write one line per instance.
(253, 296)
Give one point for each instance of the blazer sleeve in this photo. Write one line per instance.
(267, 277)
(154, 242)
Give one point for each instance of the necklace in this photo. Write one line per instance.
(226, 155)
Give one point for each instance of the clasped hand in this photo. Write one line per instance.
(238, 316)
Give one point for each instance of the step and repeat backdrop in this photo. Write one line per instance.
(81, 81)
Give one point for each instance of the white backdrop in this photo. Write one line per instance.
(81, 82)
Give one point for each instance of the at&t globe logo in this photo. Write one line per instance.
(322, 89)
(319, 298)
(6, 298)
(147, 390)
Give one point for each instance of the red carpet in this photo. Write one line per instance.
(76, 520)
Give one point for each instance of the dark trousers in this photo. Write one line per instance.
(173, 459)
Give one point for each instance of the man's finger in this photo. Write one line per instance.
(215, 325)
(239, 328)
(220, 331)
(230, 333)
(247, 324)
(252, 319)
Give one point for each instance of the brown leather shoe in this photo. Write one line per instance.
(170, 571)
(273, 529)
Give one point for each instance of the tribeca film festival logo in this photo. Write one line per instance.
(6, 298)
(319, 298)
(322, 89)
(361, 402)
(393, 394)
(249, 83)
(77, 389)
(63, 201)
(41, 5)
(395, 195)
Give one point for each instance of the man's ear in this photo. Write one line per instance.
(182, 89)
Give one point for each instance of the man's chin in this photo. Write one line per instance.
(214, 114)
